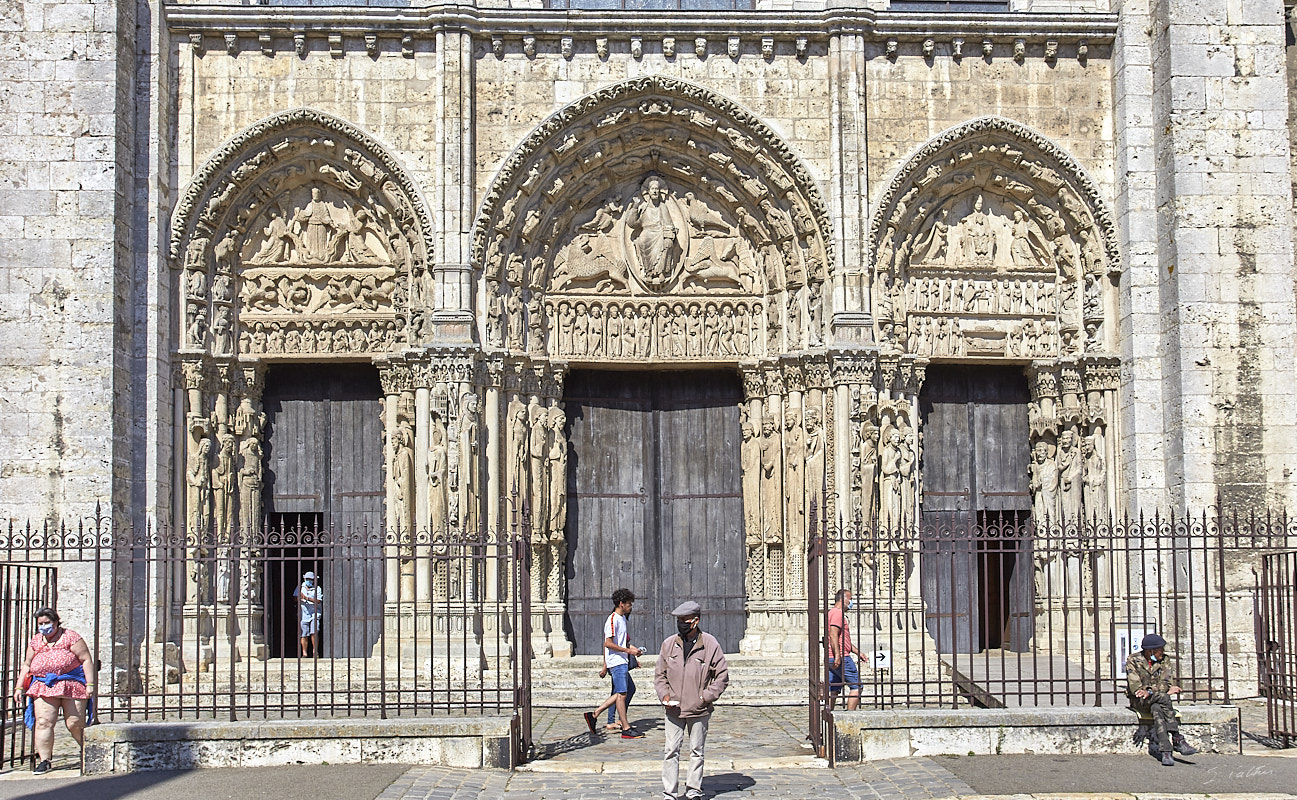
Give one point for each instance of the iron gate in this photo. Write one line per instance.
(1277, 644)
(24, 588)
(821, 712)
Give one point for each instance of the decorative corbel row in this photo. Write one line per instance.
(1019, 48)
(568, 46)
(268, 44)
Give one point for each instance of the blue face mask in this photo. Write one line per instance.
(46, 629)
(310, 583)
(850, 603)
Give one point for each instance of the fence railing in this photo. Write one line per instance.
(1277, 644)
(204, 628)
(997, 611)
(24, 589)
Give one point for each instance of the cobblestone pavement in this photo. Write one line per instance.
(908, 779)
(739, 736)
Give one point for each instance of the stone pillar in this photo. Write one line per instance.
(453, 199)
(851, 323)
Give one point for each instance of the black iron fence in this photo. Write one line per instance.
(24, 589)
(997, 611)
(232, 628)
(1277, 643)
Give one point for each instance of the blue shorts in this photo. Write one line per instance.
(622, 682)
(846, 674)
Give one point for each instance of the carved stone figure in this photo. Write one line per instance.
(513, 310)
(658, 232)
(469, 432)
(1071, 476)
(1043, 483)
(814, 454)
(438, 514)
(750, 455)
(771, 483)
(557, 467)
(403, 478)
(869, 472)
(517, 428)
(889, 481)
(1095, 498)
(794, 476)
(250, 484)
(315, 228)
(978, 237)
(537, 450)
(198, 479)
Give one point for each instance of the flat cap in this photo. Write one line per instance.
(687, 609)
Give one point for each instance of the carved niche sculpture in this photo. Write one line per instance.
(656, 221)
(319, 244)
(992, 241)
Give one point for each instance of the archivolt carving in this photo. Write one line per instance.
(660, 192)
(993, 241)
(301, 236)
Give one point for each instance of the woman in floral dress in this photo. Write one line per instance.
(61, 674)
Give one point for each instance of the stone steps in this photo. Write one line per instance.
(575, 682)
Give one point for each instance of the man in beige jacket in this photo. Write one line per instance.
(691, 673)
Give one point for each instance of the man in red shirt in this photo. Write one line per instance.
(842, 669)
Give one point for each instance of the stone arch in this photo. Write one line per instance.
(993, 241)
(300, 236)
(646, 201)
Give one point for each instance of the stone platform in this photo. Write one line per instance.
(870, 735)
(455, 742)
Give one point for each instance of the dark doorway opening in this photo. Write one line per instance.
(655, 502)
(284, 567)
(976, 582)
(324, 486)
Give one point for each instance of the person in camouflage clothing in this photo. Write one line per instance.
(1149, 687)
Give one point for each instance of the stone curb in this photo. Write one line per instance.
(655, 765)
(1124, 796)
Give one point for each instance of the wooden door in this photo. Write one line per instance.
(324, 457)
(655, 502)
(975, 460)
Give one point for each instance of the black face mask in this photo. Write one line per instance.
(685, 626)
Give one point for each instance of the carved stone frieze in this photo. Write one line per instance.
(310, 338)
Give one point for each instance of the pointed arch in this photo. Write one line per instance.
(657, 191)
(992, 240)
(301, 235)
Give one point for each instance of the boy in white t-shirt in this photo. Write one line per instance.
(617, 651)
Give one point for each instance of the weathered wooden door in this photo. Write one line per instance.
(654, 502)
(976, 588)
(324, 461)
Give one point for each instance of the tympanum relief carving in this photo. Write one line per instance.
(301, 237)
(652, 221)
(992, 242)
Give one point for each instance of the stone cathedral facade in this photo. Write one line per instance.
(829, 201)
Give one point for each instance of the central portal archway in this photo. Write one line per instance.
(655, 502)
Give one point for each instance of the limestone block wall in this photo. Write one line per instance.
(65, 171)
(1224, 239)
(514, 92)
